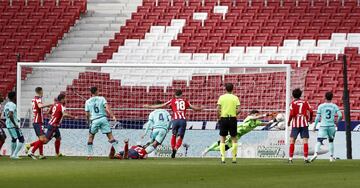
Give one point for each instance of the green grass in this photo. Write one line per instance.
(247, 173)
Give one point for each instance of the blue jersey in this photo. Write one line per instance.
(96, 107)
(158, 119)
(10, 107)
(327, 112)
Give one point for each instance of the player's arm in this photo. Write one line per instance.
(219, 111)
(311, 112)
(108, 110)
(317, 119)
(41, 105)
(340, 116)
(88, 117)
(148, 124)
(290, 117)
(67, 115)
(11, 117)
(157, 106)
(195, 108)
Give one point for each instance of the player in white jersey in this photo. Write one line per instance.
(327, 112)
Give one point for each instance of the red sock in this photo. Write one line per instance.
(126, 150)
(291, 150)
(178, 143)
(41, 148)
(306, 150)
(36, 146)
(1, 143)
(57, 147)
(173, 141)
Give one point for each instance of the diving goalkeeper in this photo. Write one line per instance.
(251, 122)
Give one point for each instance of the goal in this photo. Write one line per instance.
(128, 87)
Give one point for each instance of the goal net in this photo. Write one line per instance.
(127, 88)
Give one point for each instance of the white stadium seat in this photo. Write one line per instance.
(199, 56)
(131, 42)
(291, 43)
(237, 50)
(269, 50)
(157, 29)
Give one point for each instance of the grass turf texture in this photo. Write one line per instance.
(169, 173)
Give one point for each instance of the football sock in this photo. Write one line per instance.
(41, 148)
(13, 147)
(115, 144)
(178, 143)
(173, 141)
(214, 147)
(57, 147)
(35, 146)
(18, 148)
(306, 151)
(331, 148)
(150, 149)
(126, 150)
(317, 147)
(90, 149)
(291, 150)
(234, 151)
(222, 151)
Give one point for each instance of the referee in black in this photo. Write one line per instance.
(228, 108)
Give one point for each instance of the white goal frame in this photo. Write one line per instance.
(287, 67)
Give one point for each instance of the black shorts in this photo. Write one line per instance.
(228, 125)
(52, 132)
(39, 129)
(303, 131)
(179, 127)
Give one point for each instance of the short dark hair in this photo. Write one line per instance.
(229, 87)
(93, 90)
(12, 95)
(329, 95)
(157, 102)
(297, 93)
(254, 112)
(60, 97)
(38, 89)
(178, 92)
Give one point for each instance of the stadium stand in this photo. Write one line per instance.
(31, 29)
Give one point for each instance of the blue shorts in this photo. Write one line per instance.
(15, 133)
(179, 127)
(52, 132)
(303, 131)
(101, 124)
(39, 129)
(327, 132)
(133, 154)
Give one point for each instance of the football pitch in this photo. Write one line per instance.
(169, 173)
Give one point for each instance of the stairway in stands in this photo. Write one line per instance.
(80, 45)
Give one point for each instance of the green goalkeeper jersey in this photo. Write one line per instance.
(248, 125)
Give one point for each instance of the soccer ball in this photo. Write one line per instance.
(280, 117)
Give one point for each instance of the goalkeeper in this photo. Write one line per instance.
(251, 122)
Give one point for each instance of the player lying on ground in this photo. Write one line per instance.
(300, 116)
(134, 152)
(251, 122)
(13, 126)
(178, 105)
(58, 113)
(38, 123)
(327, 111)
(2, 125)
(159, 122)
(97, 109)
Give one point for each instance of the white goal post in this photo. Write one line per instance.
(277, 72)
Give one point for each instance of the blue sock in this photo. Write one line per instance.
(18, 148)
(331, 148)
(115, 144)
(149, 149)
(13, 147)
(90, 149)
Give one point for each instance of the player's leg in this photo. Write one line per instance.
(159, 138)
(122, 154)
(57, 142)
(293, 135)
(13, 136)
(322, 135)
(304, 133)
(233, 134)
(105, 128)
(175, 129)
(38, 144)
(224, 130)
(19, 145)
(181, 134)
(2, 138)
(93, 129)
(331, 134)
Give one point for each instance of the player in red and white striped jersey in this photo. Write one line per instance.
(38, 124)
(179, 106)
(300, 116)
